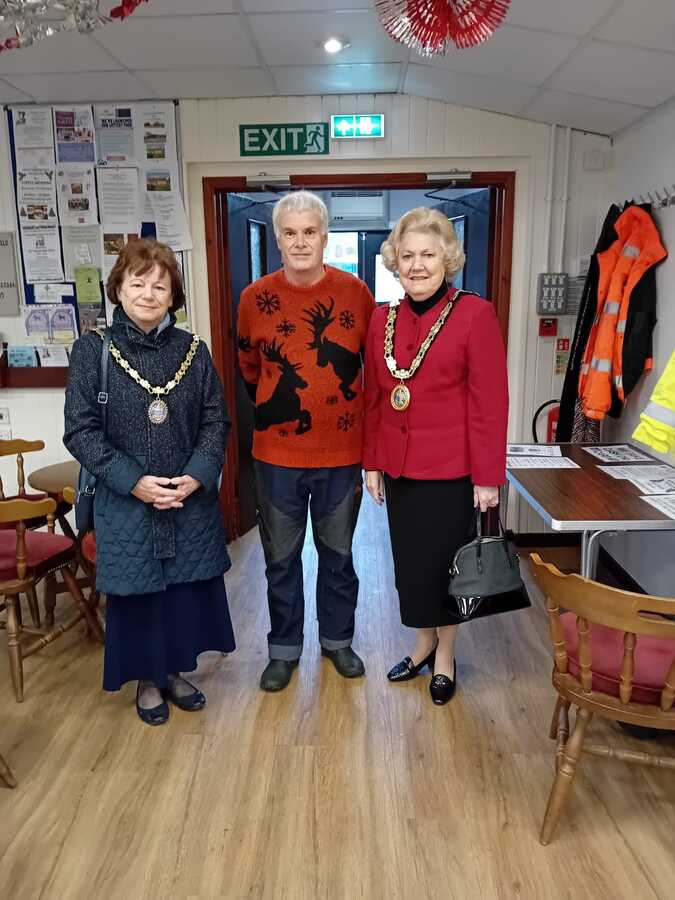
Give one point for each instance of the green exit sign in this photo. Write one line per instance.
(285, 139)
(360, 125)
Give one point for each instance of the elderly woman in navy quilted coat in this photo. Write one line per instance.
(160, 542)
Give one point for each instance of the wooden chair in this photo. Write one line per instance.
(25, 558)
(17, 448)
(6, 773)
(615, 658)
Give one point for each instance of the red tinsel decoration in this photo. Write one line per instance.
(126, 8)
(431, 26)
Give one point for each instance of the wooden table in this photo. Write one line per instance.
(52, 480)
(587, 500)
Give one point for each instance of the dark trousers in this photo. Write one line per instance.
(333, 497)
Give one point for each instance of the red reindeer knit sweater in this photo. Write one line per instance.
(302, 348)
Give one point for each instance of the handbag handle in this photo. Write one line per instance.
(103, 393)
(477, 525)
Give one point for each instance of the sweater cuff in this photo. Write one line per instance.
(123, 475)
(204, 470)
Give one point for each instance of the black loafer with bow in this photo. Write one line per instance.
(406, 669)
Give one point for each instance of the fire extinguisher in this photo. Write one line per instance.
(551, 420)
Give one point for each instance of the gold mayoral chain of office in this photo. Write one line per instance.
(158, 411)
(400, 395)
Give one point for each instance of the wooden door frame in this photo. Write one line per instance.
(215, 190)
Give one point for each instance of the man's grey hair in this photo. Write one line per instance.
(298, 202)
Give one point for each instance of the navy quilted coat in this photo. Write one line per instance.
(140, 549)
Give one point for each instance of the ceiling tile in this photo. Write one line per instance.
(183, 83)
(468, 90)
(655, 29)
(82, 86)
(9, 94)
(181, 8)
(514, 53)
(67, 52)
(155, 43)
(624, 74)
(257, 6)
(286, 39)
(569, 17)
(368, 79)
(586, 113)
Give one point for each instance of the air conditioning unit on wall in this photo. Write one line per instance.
(358, 210)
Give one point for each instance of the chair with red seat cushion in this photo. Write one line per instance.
(88, 547)
(614, 658)
(25, 558)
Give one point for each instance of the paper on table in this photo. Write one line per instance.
(52, 356)
(533, 450)
(540, 462)
(617, 453)
(655, 470)
(665, 503)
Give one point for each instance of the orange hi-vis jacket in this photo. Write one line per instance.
(637, 249)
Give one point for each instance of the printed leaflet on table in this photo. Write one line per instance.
(77, 195)
(540, 462)
(52, 356)
(74, 129)
(41, 252)
(115, 135)
(617, 453)
(533, 450)
(82, 246)
(652, 479)
(664, 503)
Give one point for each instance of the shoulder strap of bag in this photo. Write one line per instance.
(103, 392)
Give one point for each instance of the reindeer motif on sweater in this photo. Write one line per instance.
(346, 364)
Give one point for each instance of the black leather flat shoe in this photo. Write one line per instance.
(406, 669)
(277, 674)
(348, 664)
(188, 702)
(443, 688)
(156, 715)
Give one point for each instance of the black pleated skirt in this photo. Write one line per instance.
(428, 522)
(151, 635)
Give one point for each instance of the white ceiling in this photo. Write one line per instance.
(598, 65)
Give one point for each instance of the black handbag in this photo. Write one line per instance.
(86, 482)
(485, 578)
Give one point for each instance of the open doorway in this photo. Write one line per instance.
(242, 247)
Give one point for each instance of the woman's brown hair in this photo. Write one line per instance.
(139, 257)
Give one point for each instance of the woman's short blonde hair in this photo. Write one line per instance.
(426, 221)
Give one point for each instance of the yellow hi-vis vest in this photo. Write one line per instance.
(657, 422)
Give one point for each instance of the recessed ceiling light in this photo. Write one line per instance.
(334, 45)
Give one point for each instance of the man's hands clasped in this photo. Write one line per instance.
(165, 493)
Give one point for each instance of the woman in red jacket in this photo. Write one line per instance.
(436, 407)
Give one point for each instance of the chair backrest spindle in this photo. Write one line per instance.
(627, 667)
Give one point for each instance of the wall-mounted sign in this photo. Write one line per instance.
(295, 139)
(370, 125)
(9, 290)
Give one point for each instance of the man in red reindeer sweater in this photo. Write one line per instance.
(301, 333)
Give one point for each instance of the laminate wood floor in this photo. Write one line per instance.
(331, 789)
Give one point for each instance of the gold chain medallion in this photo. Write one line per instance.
(400, 395)
(158, 411)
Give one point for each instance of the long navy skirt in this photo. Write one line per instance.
(151, 635)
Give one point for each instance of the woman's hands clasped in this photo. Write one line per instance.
(375, 486)
(165, 493)
(485, 497)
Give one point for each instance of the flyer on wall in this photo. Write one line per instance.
(156, 181)
(115, 139)
(113, 242)
(76, 189)
(74, 128)
(36, 196)
(41, 252)
(171, 222)
(155, 133)
(119, 198)
(32, 127)
(82, 246)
